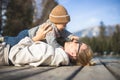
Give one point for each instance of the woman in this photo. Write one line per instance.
(34, 52)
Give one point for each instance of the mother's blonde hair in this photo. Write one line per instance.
(84, 56)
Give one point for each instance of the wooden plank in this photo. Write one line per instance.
(60, 73)
(16, 73)
(39, 73)
(6, 69)
(113, 67)
(97, 72)
(111, 60)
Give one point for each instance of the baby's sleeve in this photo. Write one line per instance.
(51, 40)
(66, 34)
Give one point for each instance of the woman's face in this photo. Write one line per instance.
(71, 48)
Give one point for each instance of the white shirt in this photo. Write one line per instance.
(27, 52)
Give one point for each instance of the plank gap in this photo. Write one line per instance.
(74, 74)
(113, 73)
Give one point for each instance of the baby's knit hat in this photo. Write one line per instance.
(59, 15)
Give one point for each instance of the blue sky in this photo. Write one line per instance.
(89, 13)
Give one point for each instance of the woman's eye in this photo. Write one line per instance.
(76, 42)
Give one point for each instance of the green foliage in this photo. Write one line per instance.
(19, 16)
(104, 43)
(47, 5)
(116, 39)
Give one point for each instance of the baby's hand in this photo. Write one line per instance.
(74, 38)
(41, 33)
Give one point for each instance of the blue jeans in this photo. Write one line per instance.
(14, 40)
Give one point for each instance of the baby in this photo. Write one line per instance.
(58, 19)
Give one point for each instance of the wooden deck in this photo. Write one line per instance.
(105, 69)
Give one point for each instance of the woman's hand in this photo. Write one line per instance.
(74, 38)
(42, 31)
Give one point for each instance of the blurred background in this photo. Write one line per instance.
(96, 22)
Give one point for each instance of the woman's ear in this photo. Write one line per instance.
(73, 54)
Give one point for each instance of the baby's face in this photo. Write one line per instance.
(61, 27)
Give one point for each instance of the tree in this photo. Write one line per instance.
(19, 16)
(47, 6)
(102, 30)
(116, 40)
(0, 14)
(3, 7)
